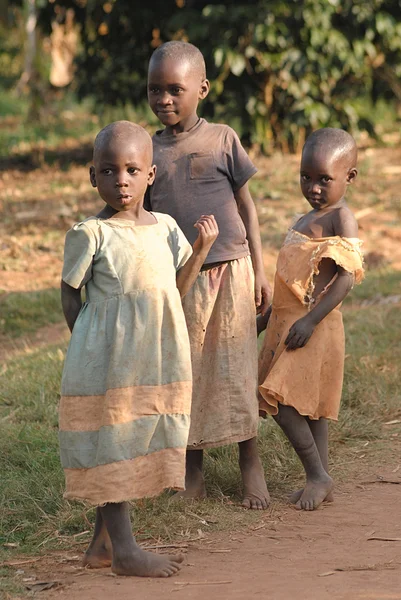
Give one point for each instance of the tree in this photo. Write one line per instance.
(278, 68)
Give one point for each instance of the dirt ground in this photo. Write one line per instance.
(349, 550)
(330, 553)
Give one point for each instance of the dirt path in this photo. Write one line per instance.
(321, 555)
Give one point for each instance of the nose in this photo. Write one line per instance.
(121, 181)
(164, 99)
(315, 188)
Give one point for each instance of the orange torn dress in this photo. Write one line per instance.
(310, 378)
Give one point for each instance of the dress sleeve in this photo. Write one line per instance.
(240, 168)
(79, 250)
(345, 252)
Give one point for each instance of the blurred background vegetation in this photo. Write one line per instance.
(279, 69)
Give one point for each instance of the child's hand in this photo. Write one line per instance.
(263, 294)
(262, 321)
(208, 232)
(299, 333)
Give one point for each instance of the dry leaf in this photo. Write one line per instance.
(327, 573)
(39, 586)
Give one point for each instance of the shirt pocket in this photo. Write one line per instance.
(202, 165)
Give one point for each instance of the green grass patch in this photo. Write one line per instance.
(377, 284)
(35, 515)
(26, 312)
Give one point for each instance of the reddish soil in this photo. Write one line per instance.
(327, 554)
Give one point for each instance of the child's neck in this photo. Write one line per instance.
(136, 213)
(183, 126)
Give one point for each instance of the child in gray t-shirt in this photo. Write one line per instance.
(203, 169)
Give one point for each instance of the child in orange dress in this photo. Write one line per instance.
(302, 361)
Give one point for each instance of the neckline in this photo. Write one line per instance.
(112, 221)
(329, 237)
(160, 134)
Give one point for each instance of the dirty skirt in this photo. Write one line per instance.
(220, 315)
(310, 378)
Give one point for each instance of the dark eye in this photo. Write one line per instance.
(107, 171)
(326, 179)
(305, 177)
(176, 90)
(153, 90)
(132, 170)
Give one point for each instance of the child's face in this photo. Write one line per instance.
(174, 91)
(121, 173)
(324, 177)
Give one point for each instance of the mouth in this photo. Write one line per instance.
(124, 198)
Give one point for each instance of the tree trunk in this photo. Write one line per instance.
(30, 45)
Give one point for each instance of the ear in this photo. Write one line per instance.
(92, 176)
(204, 89)
(352, 173)
(152, 174)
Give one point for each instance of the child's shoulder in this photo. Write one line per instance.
(344, 222)
(221, 130)
(88, 227)
(163, 218)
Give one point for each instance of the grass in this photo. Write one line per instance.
(35, 516)
(377, 284)
(26, 312)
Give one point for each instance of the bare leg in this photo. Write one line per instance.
(194, 480)
(319, 429)
(128, 558)
(318, 483)
(99, 553)
(256, 495)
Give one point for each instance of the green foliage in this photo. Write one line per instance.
(279, 69)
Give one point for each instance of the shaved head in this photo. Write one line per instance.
(121, 133)
(337, 142)
(181, 52)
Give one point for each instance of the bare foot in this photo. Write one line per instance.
(195, 488)
(99, 553)
(97, 559)
(295, 496)
(256, 495)
(314, 493)
(146, 564)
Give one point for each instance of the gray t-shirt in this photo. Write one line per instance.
(198, 172)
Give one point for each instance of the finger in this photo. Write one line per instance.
(200, 227)
(291, 340)
(205, 223)
(265, 304)
(210, 219)
(294, 343)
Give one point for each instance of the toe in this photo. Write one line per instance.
(298, 505)
(246, 503)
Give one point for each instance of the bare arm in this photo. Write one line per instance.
(71, 302)
(248, 214)
(208, 232)
(301, 330)
(345, 225)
